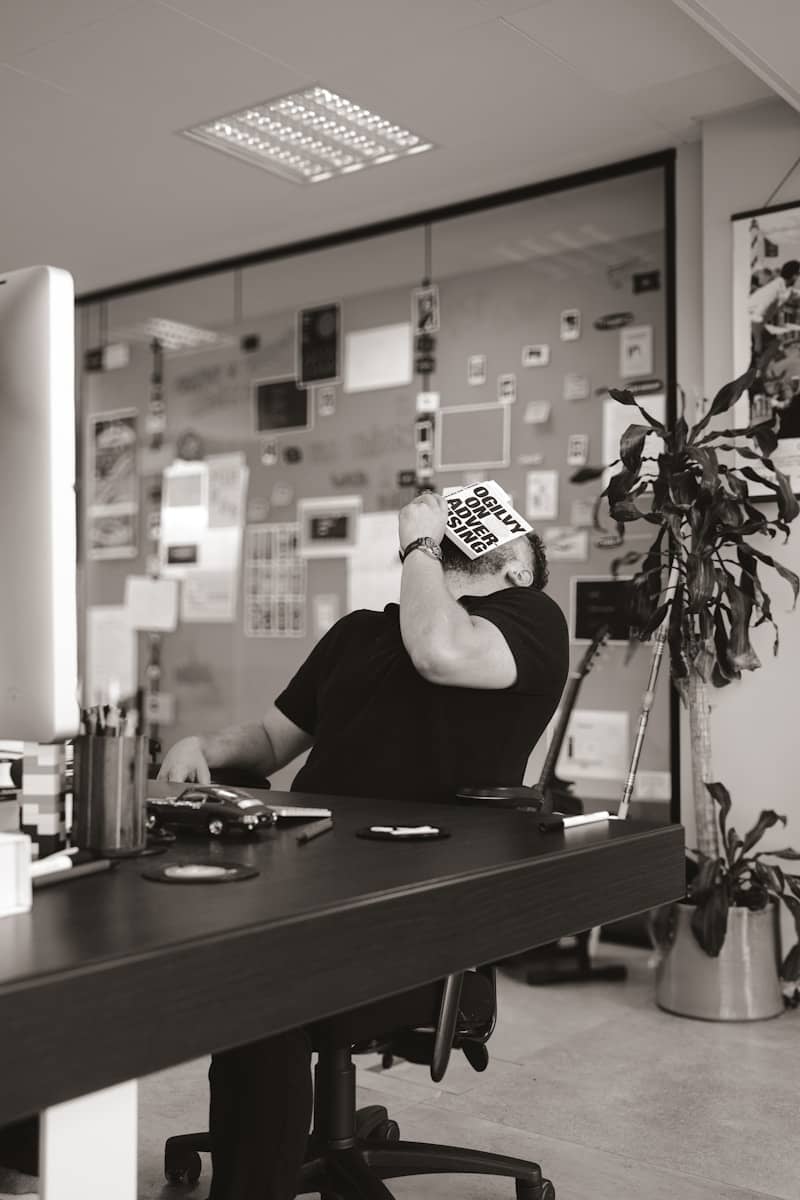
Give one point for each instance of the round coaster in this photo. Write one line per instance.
(403, 833)
(200, 872)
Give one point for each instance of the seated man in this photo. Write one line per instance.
(451, 688)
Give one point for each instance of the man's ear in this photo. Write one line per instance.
(519, 573)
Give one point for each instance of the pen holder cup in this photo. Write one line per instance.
(110, 795)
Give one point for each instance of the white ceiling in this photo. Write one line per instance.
(95, 179)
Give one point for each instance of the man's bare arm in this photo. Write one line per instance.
(264, 746)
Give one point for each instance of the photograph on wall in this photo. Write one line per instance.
(506, 388)
(318, 344)
(766, 316)
(113, 483)
(328, 526)
(274, 582)
(113, 507)
(636, 351)
(570, 325)
(536, 356)
(113, 535)
(476, 370)
(541, 495)
(281, 406)
(425, 309)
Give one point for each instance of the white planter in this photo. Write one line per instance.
(742, 984)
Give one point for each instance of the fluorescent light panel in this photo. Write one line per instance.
(174, 335)
(309, 136)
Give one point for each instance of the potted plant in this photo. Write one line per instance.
(701, 580)
(719, 948)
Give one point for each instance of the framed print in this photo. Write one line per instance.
(636, 351)
(328, 526)
(766, 313)
(425, 309)
(318, 344)
(473, 436)
(281, 406)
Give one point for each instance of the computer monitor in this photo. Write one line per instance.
(38, 586)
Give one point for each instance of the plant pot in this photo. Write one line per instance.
(741, 984)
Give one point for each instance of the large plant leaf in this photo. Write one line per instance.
(784, 572)
(766, 820)
(771, 877)
(585, 474)
(705, 879)
(722, 798)
(631, 445)
(788, 507)
(710, 921)
(740, 648)
(725, 399)
(790, 967)
(623, 396)
(701, 581)
(787, 854)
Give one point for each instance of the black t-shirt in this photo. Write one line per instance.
(382, 730)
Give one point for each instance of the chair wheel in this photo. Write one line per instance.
(182, 1166)
(387, 1131)
(535, 1191)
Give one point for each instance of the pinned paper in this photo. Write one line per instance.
(566, 544)
(576, 387)
(152, 604)
(476, 370)
(479, 519)
(537, 412)
(570, 324)
(577, 449)
(581, 513)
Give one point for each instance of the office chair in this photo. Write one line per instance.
(351, 1151)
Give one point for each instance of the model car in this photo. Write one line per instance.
(210, 808)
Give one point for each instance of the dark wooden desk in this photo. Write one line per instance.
(112, 977)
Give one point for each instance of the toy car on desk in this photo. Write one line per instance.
(210, 808)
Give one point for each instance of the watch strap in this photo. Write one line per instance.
(427, 544)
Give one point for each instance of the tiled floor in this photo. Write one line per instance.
(617, 1100)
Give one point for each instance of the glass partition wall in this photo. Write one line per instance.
(250, 429)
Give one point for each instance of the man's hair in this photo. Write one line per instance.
(454, 559)
(790, 268)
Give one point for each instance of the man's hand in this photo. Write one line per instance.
(426, 516)
(185, 762)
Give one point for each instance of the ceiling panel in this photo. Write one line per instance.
(315, 35)
(36, 22)
(159, 64)
(764, 36)
(622, 45)
(703, 95)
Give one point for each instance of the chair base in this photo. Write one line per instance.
(357, 1172)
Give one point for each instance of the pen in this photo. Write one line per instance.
(315, 830)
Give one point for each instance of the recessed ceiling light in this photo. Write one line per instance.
(174, 335)
(309, 136)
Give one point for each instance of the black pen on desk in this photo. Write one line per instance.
(315, 830)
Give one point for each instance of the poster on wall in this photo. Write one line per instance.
(373, 568)
(766, 315)
(377, 358)
(318, 343)
(472, 436)
(113, 501)
(541, 495)
(274, 582)
(636, 351)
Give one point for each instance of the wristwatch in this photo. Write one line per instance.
(427, 544)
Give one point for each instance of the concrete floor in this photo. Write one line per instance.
(615, 1099)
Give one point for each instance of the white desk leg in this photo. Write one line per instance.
(88, 1146)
